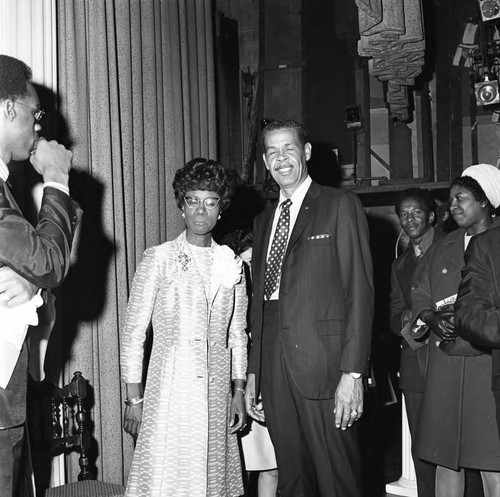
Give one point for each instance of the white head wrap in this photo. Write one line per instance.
(488, 177)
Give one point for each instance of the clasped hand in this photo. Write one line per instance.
(52, 160)
(442, 324)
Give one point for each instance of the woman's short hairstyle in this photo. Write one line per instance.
(420, 195)
(206, 175)
(276, 124)
(475, 188)
(14, 76)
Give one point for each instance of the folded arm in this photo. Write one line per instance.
(39, 254)
(477, 310)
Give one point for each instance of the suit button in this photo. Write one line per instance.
(213, 343)
(211, 379)
(437, 343)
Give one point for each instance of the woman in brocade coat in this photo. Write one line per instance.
(457, 425)
(194, 292)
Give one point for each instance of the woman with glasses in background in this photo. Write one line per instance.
(194, 292)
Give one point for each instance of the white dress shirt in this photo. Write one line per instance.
(297, 198)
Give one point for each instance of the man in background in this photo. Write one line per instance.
(311, 319)
(31, 258)
(416, 211)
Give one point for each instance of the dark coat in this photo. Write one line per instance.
(413, 362)
(457, 426)
(42, 256)
(326, 291)
(477, 311)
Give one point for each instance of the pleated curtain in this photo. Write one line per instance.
(136, 86)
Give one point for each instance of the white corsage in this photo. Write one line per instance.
(227, 268)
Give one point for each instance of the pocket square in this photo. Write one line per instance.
(319, 237)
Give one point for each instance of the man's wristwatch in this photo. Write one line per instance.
(356, 376)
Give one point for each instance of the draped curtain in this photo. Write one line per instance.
(136, 86)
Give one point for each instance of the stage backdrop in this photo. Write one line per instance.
(137, 100)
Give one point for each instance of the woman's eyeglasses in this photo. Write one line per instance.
(209, 203)
(37, 113)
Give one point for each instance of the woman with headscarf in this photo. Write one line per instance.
(194, 292)
(457, 428)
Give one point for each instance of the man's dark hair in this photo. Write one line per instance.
(420, 195)
(275, 124)
(14, 76)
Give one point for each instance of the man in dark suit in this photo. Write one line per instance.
(416, 211)
(30, 257)
(477, 310)
(311, 320)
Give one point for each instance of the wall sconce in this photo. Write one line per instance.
(487, 91)
(490, 9)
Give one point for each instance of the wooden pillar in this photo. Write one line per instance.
(400, 150)
(363, 99)
(424, 131)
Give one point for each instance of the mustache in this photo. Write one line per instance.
(282, 166)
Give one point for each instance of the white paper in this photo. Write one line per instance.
(448, 300)
(14, 324)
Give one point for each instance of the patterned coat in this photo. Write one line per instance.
(199, 345)
(457, 426)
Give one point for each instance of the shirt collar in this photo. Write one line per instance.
(426, 240)
(299, 194)
(4, 170)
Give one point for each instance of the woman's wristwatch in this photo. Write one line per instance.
(135, 402)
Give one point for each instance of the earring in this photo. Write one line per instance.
(218, 217)
(183, 214)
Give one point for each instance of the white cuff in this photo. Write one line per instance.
(59, 186)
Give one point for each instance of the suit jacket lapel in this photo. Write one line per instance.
(454, 249)
(8, 195)
(306, 212)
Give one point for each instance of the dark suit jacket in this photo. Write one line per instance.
(326, 291)
(477, 310)
(413, 362)
(41, 255)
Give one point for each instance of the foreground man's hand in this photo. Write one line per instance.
(52, 160)
(348, 401)
(253, 409)
(14, 289)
